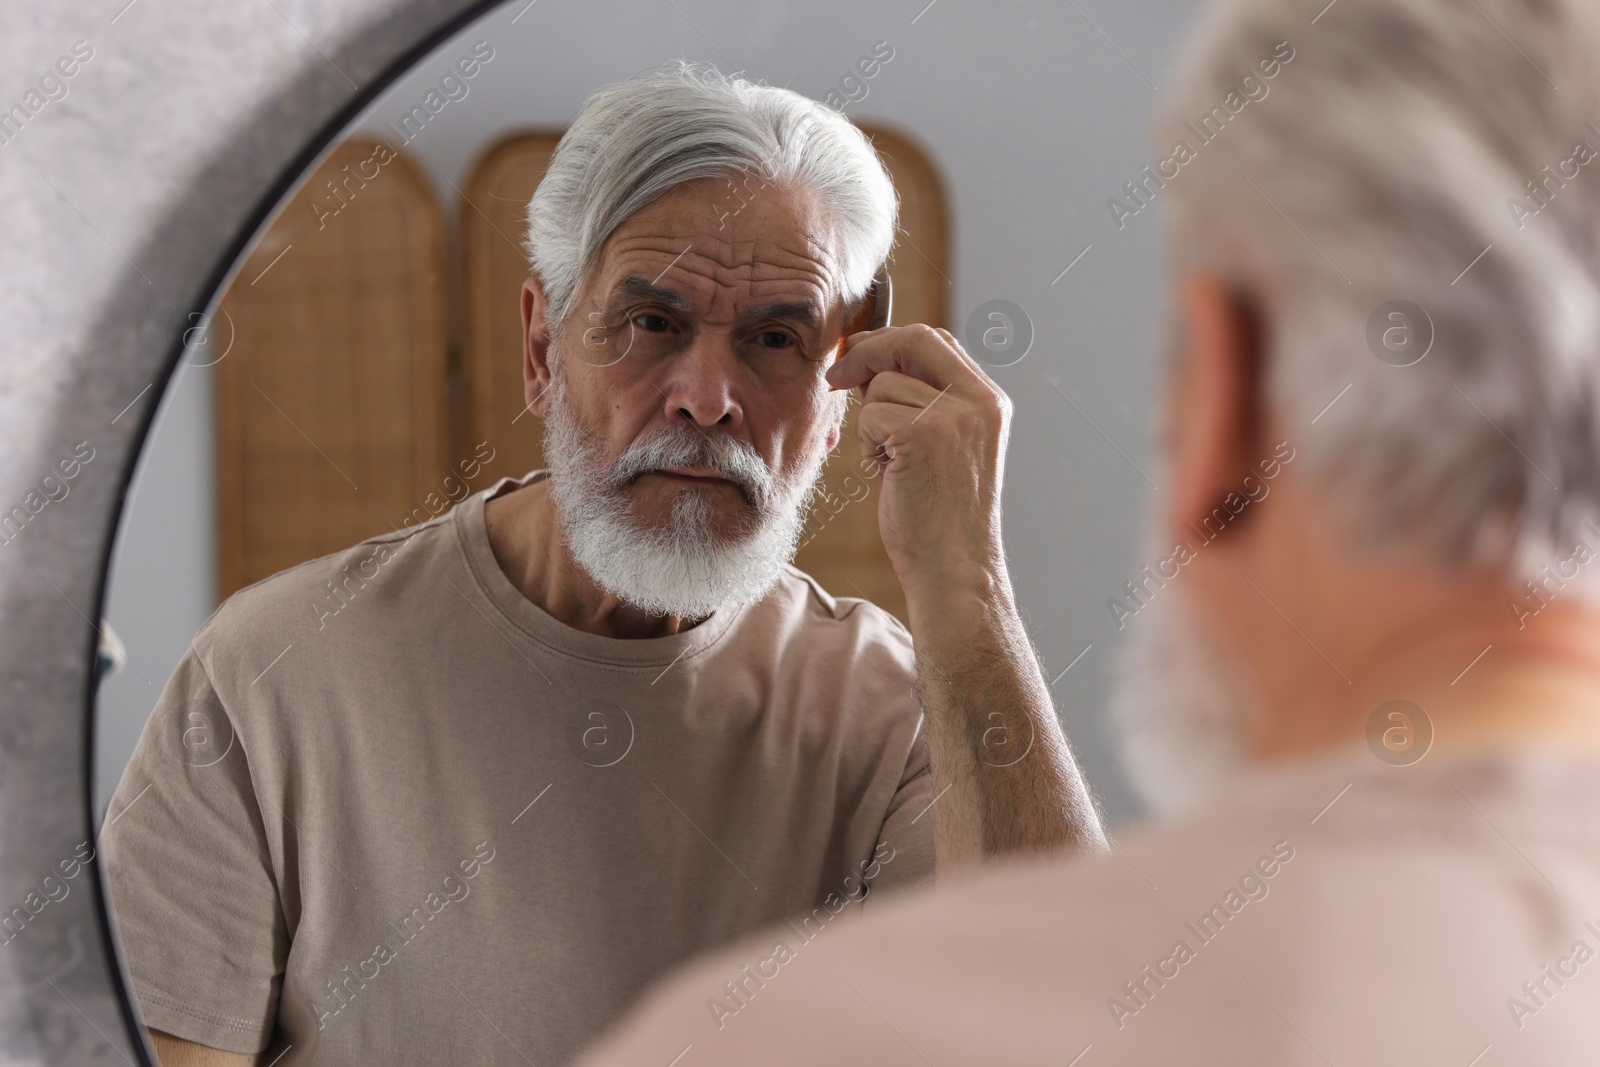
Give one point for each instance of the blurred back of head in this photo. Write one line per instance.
(1403, 139)
(1328, 165)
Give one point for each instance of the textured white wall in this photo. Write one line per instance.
(1035, 111)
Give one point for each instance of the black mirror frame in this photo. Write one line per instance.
(90, 356)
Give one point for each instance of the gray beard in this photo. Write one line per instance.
(1180, 712)
(690, 566)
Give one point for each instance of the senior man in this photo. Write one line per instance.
(1379, 629)
(591, 721)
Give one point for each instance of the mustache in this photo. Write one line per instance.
(689, 446)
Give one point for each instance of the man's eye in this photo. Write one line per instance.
(774, 339)
(652, 323)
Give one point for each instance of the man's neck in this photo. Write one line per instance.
(1479, 682)
(526, 537)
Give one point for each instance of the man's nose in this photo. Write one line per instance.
(700, 387)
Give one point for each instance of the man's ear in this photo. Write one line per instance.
(535, 347)
(1214, 402)
(836, 429)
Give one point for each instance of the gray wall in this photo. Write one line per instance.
(163, 569)
(1035, 112)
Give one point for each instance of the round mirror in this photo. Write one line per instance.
(371, 787)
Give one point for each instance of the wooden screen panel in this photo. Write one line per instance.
(332, 403)
(842, 548)
(495, 200)
(920, 261)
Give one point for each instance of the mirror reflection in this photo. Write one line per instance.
(545, 567)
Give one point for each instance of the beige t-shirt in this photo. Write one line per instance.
(389, 811)
(1345, 912)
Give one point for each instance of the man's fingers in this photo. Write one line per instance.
(972, 364)
(881, 425)
(881, 421)
(916, 350)
(895, 388)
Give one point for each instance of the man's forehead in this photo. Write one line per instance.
(682, 282)
(687, 240)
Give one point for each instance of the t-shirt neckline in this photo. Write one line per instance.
(498, 592)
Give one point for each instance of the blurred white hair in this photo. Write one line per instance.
(1393, 141)
(636, 140)
(1377, 165)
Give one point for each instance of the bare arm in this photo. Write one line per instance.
(176, 1052)
(1008, 779)
(937, 425)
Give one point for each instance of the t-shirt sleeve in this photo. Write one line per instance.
(905, 844)
(191, 882)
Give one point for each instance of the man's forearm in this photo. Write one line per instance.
(1004, 774)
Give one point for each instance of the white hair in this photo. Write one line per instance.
(634, 141)
(1393, 142)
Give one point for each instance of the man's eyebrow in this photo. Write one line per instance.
(804, 312)
(634, 287)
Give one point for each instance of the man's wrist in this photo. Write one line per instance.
(959, 593)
